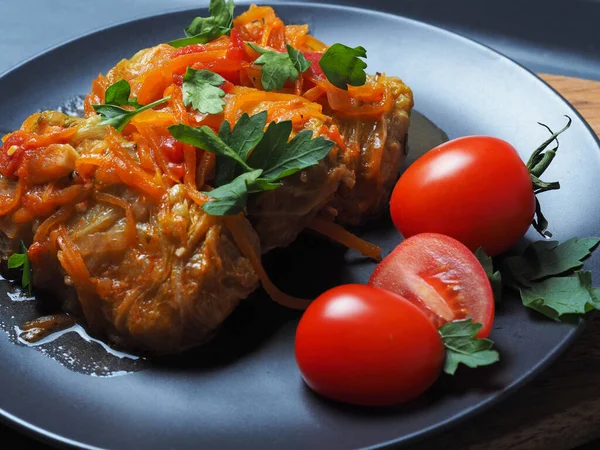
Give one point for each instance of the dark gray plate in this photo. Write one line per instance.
(244, 390)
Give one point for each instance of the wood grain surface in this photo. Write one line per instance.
(559, 410)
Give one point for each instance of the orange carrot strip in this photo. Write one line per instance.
(236, 227)
(12, 203)
(71, 260)
(131, 230)
(58, 217)
(339, 234)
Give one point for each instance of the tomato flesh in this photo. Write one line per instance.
(475, 189)
(442, 277)
(362, 345)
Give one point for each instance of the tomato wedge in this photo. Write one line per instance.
(442, 277)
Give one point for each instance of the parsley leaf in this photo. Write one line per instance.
(544, 259)
(118, 94)
(557, 296)
(201, 89)
(494, 276)
(206, 139)
(119, 117)
(263, 157)
(205, 29)
(549, 280)
(278, 68)
(280, 158)
(245, 135)
(21, 260)
(462, 347)
(231, 198)
(342, 66)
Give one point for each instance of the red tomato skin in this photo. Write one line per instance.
(362, 345)
(475, 189)
(422, 255)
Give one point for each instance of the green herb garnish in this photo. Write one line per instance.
(342, 66)
(205, 29)
(117, 95)
(462, 347)
(251, 160)
(494, 276)
(549, 280)
(278, 68)
(21, 260)
(201, 89)
(538, 162)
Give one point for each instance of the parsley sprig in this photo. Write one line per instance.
(205, 29)
(201, 89)
(342, 65)
(21, 260)
(278, 68)
(112, 112)
(250, 159)
(548, 276)
(462, 347)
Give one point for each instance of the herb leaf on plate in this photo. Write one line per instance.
(278, 68)
(201, 89)
(342, 65)
(494, 276)
(21, 260)
(557, 296)
(462, 347)
(205, 29)
(549, 280)
(544, 259)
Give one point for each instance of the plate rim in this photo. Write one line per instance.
(48, 437)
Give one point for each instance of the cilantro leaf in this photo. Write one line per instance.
(543, 259)
(21, 260)
(494, 276)
(205, 29)
(557, 296)
(206, 139)
(462, 347)
(280, 158)
(201, 89)
(342, 66)
(231, 198)
(278, 68)
(245, 135)
(119, 117)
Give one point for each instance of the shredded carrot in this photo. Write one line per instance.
(130, 228)
(71, 260)
(129, 172)
(197, 197)
(12, 204)
(236, 226)
(55, 219)
(339, 234)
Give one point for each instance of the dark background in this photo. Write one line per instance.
(552, 36)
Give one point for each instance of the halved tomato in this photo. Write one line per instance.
(441, 276)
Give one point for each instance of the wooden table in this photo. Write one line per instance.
(559, 410)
